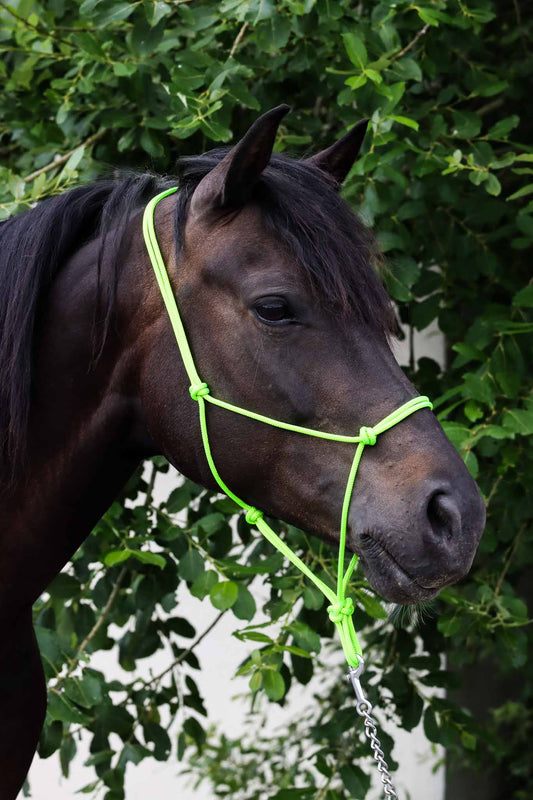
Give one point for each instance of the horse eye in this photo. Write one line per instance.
(273, 310)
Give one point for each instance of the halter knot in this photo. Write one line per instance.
(197, 390)
(340, 609)
(367, 435)
(253, 515)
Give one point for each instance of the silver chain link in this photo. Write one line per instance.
(364, 708)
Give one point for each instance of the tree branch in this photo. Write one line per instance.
(59, 160)
(238, 40)
(103, 616)
(421, 32)
(33, 27)
(509, 559)
(187, 652)
(151, 482)
(488, 107)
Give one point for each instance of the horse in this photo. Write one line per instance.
(286, 315)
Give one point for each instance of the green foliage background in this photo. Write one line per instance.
(446, 180)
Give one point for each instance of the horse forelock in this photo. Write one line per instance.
(301, 205)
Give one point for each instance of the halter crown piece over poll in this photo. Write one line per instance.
(341, 607)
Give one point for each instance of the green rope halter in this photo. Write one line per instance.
(341, 607)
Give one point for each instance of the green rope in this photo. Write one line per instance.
(341, 607)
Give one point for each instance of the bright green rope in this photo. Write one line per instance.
(341, 607)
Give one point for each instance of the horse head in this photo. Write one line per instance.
(286, 317)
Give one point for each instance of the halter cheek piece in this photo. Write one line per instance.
(341, 607)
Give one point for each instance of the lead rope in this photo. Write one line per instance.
(341, 607)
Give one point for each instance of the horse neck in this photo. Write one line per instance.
(86, 433)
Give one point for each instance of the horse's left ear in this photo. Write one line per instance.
(230, 184)
(338, 159)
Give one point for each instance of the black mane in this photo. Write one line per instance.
(33, 248)
(300, 204)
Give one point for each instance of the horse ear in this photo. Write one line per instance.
(231, 182)
(338, 159)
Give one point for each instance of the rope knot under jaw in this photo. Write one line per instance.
(340, 609)
(197, 390)
(368, 436)
(253, 515)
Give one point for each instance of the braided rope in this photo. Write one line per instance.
(341, 607)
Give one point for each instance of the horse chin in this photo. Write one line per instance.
(391, 581)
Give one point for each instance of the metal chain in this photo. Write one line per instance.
(364, 708)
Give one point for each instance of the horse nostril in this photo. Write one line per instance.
(442, 515)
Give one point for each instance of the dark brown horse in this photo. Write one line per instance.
(273, 276)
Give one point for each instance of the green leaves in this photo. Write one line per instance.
(244, 607)
(192, 728)
(65, 585)
(429, 16)
(410, 123)
(115, 557)
(191, 565)
(85, 691)
(178, 499)
(145, 557)
(223, 595)
(355, 780)
(524, 297)
(150, 143)
(517, 420)
(305, 637)
(274, 33)
(355, 49)
(74, 159)
(503, 127)
(61, 709)
(157, 735)
(493, 185)
(522, 192)
(403, 275)
(431, 728)
(371, 605)
(273, 684)
(203, 584)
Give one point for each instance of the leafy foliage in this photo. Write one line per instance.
(446, 178)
